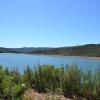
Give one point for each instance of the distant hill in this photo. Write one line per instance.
(4, 50)
(23, 50)
(82, 50)
(28, 49)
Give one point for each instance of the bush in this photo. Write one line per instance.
(28, 77)
(69, 81)
(88, 85)
(72, 81)
(97, 84)
(47, 77)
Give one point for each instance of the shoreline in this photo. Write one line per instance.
(90, 57)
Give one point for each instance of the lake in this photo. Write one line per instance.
(20, 61)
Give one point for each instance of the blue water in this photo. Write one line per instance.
(20, 61)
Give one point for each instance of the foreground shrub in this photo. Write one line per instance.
(69, 81)
(11, 89)
(28, 77)
(47, 78)
(10, 85)
(97, 84)
(72, 81)
(2, 74)
(88, 85)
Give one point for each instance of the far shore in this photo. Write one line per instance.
(90, 57)
(98, 58)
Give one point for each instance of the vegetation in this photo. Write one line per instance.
(69, 81)
(4, 50)
(82, 50)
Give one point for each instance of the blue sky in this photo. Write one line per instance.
(49, 23)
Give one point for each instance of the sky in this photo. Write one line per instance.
(49, 23)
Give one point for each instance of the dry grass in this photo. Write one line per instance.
(32, 95)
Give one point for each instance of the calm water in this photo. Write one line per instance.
(20, 61)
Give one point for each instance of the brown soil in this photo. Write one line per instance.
(32, 95)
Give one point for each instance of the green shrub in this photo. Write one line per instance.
(28, 77)
(97, 83)
(88, 85)
(71, 84)
(70, 81)
(47, 78)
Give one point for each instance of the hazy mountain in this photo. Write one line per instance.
(82, 50)
(28, 50)
(4, 50)
(22, 50)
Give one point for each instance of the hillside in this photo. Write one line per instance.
(82, 50)
(28, 49)
(23, 50)
(4, 50)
